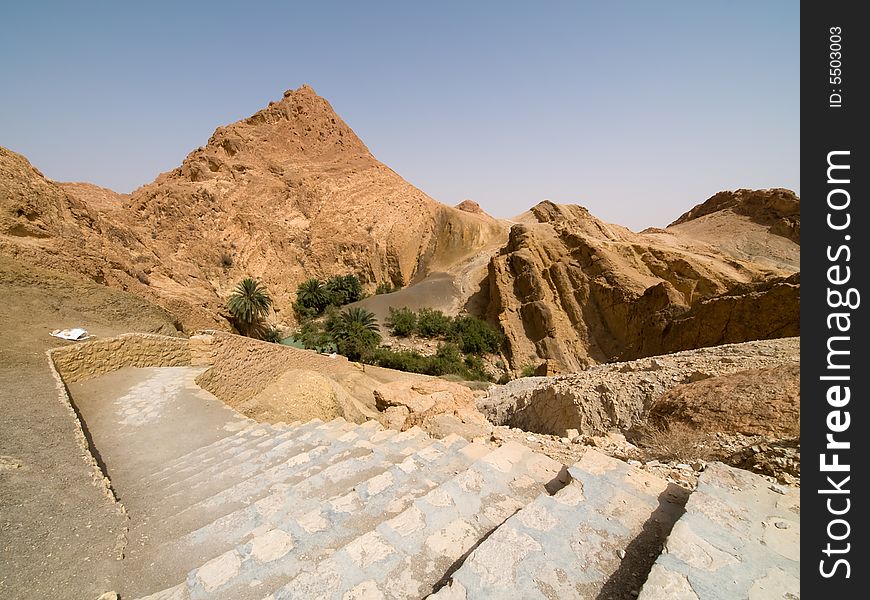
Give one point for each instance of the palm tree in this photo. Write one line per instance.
(358, 317)
(344, 289)
(355, 332)
(311, 293)
(249, 304)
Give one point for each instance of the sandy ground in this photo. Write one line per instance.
(58, 533)
(463, 287)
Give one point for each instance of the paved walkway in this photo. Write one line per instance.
(141, 418)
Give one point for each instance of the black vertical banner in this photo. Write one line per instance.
(835, 422)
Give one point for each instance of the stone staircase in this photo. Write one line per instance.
(271, 508)
(223, 507)
(338, 510)
(596, 537)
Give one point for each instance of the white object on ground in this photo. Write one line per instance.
(76, 334)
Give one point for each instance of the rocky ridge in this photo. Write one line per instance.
(777, 209)
(572, 289)
(620, 395)
(291, 193)
(84, 230)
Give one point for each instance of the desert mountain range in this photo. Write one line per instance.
(291, 193)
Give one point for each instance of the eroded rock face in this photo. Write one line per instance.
(570, 288)
(470, 206)
(41, 222)
(620, 395)
(286, 194)
(753, 402)
(291, 192)
(777, 209)
(81, 229)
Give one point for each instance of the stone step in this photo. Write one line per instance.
(173, 559)
(306, 463)
(202, 469)
(366, 458)
(230, 438)
(223, 447)
(739, 538)
(313, 532)
(408, 555)
(259, 457)
(593, 539)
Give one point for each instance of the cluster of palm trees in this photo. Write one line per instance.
(314, 296)
(354, 330)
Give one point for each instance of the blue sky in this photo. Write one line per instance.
(636, 110)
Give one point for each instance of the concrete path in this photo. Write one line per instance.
(139, 420)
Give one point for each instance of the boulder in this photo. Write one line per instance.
(764, 401)
(442, 406)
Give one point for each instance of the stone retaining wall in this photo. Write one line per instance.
(243, 367)
(86, 360)
(274, 383)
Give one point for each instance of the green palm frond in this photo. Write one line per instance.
(249, 303)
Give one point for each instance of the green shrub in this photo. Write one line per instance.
(401, 360)
(475, 336)
(355, 332)
(386, 288)
(528, 370)
(473, 362)
(304, 313)
(448, 360)
(432, 323)
(402, 322)
(313, 336)
(476, 368)
(312, 298)
(272, 334)
(450, 353)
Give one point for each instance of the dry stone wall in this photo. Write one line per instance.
(271, 382)
(89, 359)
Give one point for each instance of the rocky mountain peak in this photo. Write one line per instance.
(300, 128)
(470, 206)
(777, 208)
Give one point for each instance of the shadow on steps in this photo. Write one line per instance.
(643, 551)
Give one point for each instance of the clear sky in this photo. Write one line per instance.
(636, 110)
